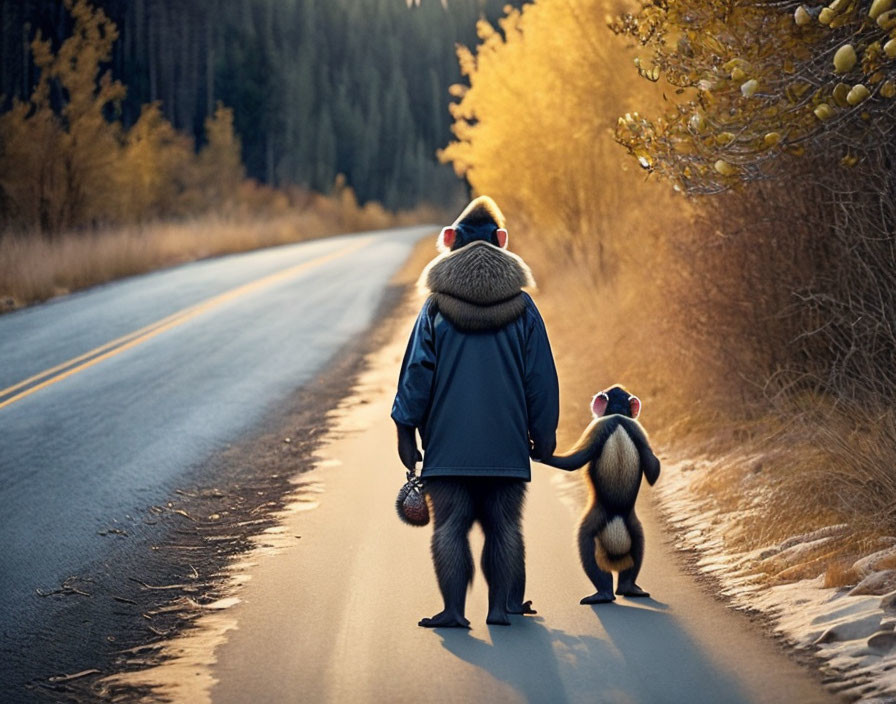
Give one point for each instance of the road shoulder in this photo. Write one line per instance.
(324, 609)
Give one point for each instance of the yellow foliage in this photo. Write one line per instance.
(220, 167)
(534, 127)
(706, 50)
(153, 162)
(69, 167)
(72, 154)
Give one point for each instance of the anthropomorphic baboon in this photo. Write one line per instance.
(617, 452)
(479, 384)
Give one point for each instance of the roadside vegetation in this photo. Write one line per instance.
(35, 268)
(731, 257)
(86, 198)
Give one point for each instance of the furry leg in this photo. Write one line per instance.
(517, 604)
(626, 584)
(453, 517)
(602, 581)
(503, 555)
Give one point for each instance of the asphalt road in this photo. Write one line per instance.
(332, 617)
(109, 396)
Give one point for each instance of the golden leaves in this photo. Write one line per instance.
(845, 58)
(764, 78)
(857, 94)
(878, 7)
(823, 111)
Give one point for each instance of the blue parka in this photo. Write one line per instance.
(478, 377)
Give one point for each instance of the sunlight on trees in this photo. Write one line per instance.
(219, 170)
(153, 167)
(64, 165)
(754, 82)
(772, 302)
(55, 164)
(803, 98)
(532, 127)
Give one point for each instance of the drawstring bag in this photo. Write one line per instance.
(411, 502)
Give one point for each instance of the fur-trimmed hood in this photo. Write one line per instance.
(479, 286)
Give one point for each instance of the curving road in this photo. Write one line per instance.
(108, 396)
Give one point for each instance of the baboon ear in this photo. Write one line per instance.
(446, 238)
(599, 404)
(635, 404)
(502, 237)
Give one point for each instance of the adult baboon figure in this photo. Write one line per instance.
(478, 381)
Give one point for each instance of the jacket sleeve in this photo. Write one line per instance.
(417, 370)
(542, 389)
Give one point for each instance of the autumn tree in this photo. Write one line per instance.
(793, 106)
(155, 168)
(219, 169)
(64, 164)
(533, 125)
(56, 164)
(756, 84)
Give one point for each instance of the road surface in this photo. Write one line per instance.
(333, 617)
(110, 396)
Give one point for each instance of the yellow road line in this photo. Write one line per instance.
(52, 370)
(126, 342)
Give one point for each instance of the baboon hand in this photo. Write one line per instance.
(407, 446)
(540, 453)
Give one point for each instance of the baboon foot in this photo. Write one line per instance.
(445, 619)
(524, 608)
(631, 591)
(598, 598)
(497, 617)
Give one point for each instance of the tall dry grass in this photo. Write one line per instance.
(710, 315)
(34, 268)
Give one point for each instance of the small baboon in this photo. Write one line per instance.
(610, 536)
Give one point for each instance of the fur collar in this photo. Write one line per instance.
(479, 286)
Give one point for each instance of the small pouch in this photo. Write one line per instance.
(411, 502)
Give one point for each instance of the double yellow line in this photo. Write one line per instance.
(51, 376)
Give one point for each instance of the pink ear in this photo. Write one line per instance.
(446, 239)
(502, 237)
(635, 404)
(599, 404)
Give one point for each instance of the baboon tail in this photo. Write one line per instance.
(614, 544)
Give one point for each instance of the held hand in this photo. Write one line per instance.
(532, 454)
(540, 453)
(407, 446)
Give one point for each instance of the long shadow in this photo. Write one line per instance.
(524, 656)
(660, 662)
(646, 656)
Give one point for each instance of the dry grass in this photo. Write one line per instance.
(692, 318)
(34, 268)
(840, 574)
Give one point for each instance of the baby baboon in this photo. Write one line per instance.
(616, 449)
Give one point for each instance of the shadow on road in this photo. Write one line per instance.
(645, 656)
(656, 660)
(523, 656)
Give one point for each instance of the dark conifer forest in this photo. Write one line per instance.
(317, 87)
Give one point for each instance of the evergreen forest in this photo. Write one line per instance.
(317, 87)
